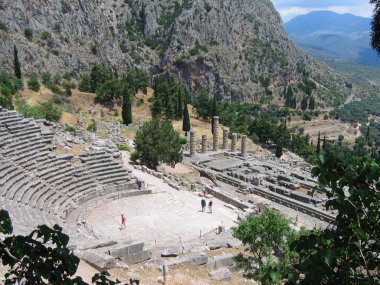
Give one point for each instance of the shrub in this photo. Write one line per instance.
(33, 83)
(140, 102)
(134, 155)
(123, 146)
(70, 129)
(94, 50)
(116, 113)
(45, 35)
(28, 33)
(194, 51)
(3, 26)
(46, 78)
(183, 140)
(92, 126)
(65, 7)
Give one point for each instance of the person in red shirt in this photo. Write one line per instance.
(123, 219)
(210, 206)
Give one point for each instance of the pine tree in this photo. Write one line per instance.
(186, 119)
(126, 112)
(16, 63)
(179, 104)
(319, 143)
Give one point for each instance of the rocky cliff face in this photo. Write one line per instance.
(231, 47)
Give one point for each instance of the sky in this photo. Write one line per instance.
(290, 8)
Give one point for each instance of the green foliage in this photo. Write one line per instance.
(123, 146)
(168, 98)
(208, 7)
(41, 257)
(279, 150)
(375, 27)
(16, 63)
(157, 142)
(183, 140)
(197, 49)
(46, 78)
(108, 88)
(8, 87)
(33, 83)
(179, 104)
(126, 112)
(28, 32)
(186, 119)
(92, 127)
(169, 18)
(85, 83)
(267, 236)
(349, 252)
(65, 7)
(135, 155)
(70, 129)
(3, 26)
(203, 105)
(45, 35)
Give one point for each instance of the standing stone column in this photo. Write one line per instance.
(215, 133)
(204, 144)
(225, 138)
(244, 145)
(192, 143)
(233, 142)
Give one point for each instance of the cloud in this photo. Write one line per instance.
(290, 8)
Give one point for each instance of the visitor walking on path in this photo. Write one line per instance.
(210, 206)
(203, 204)
(123, 219)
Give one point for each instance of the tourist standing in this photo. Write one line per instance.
(123, 219)
(203, 204)
(210, 206)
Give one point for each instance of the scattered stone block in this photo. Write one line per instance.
(223, 260)
(126, 250)
(222, 274)
(98, 260)
(172, 251)
(192, 259)
(137, 257)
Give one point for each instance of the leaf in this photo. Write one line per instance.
(5, 223)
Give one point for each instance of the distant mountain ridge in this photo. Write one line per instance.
(326, 34)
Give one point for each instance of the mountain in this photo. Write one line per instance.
(328, 35)
(234, 48)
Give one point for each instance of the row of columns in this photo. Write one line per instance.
(215, 140)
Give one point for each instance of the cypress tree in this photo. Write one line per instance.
(16, 63)
(279, 150)
(179, 104)
(367, 135)
(319, 143)
(126, 112)
(324, 143)
(312, 103)
(304, 103)
(186, 119)
(213, 113)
